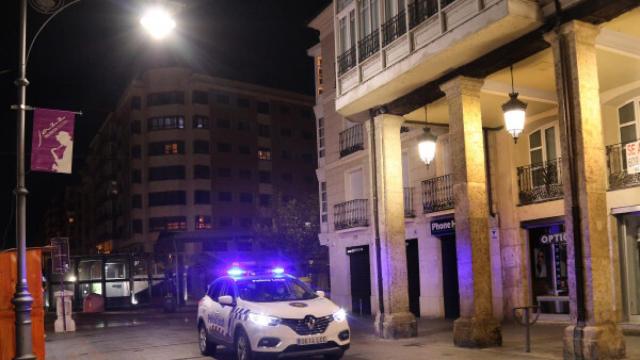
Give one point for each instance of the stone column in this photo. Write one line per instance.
(396, 321)
(598, 336)
(476, 326)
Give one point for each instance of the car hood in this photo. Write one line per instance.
(296, 309)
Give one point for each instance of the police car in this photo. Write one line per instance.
(272, 315)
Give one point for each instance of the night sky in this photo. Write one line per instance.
(89, 53)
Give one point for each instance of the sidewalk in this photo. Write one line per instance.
(152, 334)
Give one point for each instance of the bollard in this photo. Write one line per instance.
(526, 322)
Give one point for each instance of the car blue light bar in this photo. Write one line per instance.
(235, 271)
(278, 271)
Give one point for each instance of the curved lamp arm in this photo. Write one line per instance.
(35, 37)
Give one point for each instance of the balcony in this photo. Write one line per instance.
(408, 203)
(441, 36)
(351, 140)
(437, 194)
(369, 45)
(540, 182)
(351, 214)
(619, 177)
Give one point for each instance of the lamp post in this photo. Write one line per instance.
(514, 112)
(22, 299)
(427, 146)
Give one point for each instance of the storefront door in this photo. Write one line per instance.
(629, 236)
(360, 280)
(548, 254)
(450, 288)
(413, 276)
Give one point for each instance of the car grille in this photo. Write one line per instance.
(302, 326)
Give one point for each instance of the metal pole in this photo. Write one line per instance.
(22, 299)
(527, 331)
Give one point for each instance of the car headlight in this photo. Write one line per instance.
(264, 320)
(340, 315)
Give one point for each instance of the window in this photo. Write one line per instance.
(287, 177)
(265, 177)
(542, 150)
(321, 138)
(136, 152)
(160, 173)
(224, 147)
(224, 196)
(136, 226)
(244, 149)
(264, 154)
(285, 154)
(165, 198)
(202, 222)
(346, 31)
(393, 8)
(244, 174)
(201, 172)
(627, 122)
(243, 103)
(136, 127)
(319, 75)
(265, 200)
(200, 147)
(165, 98)
(202, 197)
(200, 97)
(222, 99)
(136, 103)
(286, 132)
(170, 223)
(225, 222)
(246, 198)
(165, 123)
(324, 207)
(246, 223)
(136, 176)
(136, 201)
(200, 122)
(224, 172)
(166, 148)
(368, 10)
(264, 130)
(223, 123)
(263, 108)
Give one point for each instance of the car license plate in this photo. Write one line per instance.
(312, 340)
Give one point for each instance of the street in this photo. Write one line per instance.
(152, 334)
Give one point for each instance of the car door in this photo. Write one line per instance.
(226, 310)
(212, 309)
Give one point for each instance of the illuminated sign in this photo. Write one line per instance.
(559, 238)
(358, 249)
(443, 226)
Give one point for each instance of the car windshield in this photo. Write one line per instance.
(271, 289)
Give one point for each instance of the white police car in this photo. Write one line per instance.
(270, 316)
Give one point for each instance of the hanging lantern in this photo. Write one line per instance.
(427, 146)
(514, 113)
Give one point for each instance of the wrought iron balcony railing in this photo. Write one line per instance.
(351, 214)
(540, 182)
(619, 177)
(421, 10)
(346, 61)
(408, 203)
(393, 28)
(437, 194)
(351, 140)
(369, 45)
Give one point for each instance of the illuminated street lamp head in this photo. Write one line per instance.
(158, 22)
(427, 146)
(514, 115)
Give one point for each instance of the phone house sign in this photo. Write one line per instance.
(443, 226)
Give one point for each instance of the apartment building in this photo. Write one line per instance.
(202, 159)
(488, 225)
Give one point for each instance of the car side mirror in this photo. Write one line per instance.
(226, 300)
(321, 293)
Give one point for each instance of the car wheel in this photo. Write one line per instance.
(334, 356)
(207, 348)
(243, 347)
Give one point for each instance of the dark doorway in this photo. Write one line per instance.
(360, 280)
(413, 275)
(450, 277)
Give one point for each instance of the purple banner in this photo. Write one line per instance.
(52, 143)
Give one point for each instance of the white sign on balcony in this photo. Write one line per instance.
(633, 157)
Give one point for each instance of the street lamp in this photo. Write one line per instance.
(427, 146)
(514, 113)
(159, 24)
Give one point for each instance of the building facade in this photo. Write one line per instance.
(489, 225)
(203, 158)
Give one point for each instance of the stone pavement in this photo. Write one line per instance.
(152, 334)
